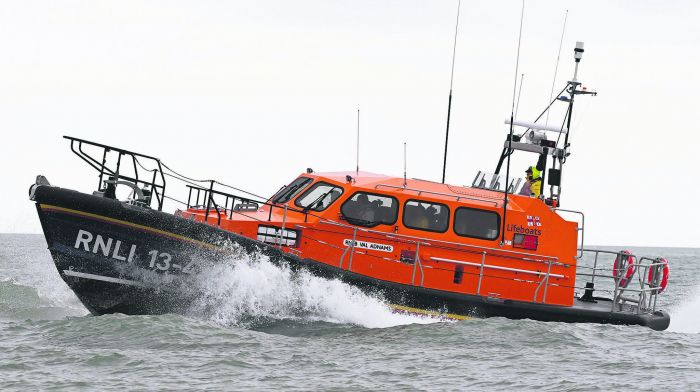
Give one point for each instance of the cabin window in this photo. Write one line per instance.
(319, 196)
(423, 215)
(471, 222)
(369, 209)
(288, 192)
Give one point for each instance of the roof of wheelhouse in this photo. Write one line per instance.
(374, 182)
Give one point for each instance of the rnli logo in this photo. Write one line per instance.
(369, 245)
(533, 221)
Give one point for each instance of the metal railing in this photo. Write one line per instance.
(492, 182)
(484, 252)
(350, 248)
(114, 172)
(206, 199)
(458, 197)
(618, 281)
(580, 229)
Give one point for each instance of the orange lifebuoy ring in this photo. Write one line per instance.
(663, 282)
(624, 260)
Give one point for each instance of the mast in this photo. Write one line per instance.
(572, 86)
(534, 139)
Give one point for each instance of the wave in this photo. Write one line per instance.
(685, 318)
(30, 286)
(21, 302)
(248, 290)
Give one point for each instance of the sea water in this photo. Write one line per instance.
(264, 327)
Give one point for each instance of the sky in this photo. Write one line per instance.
(252, 93)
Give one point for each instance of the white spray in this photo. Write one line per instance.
(250, 286)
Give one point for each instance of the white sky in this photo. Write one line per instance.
(252, 93)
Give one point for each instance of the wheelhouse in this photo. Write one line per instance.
(416, 232)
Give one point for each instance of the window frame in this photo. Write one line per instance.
(498, 223)
(403, 216)
(311, 188)
(279, 193)
(396, 215)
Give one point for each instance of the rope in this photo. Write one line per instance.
(182, 175)
(142, 167)
(175, 200)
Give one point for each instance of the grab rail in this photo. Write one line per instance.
(527, 256)
(484, 251)
(646, 293)
(495, 203)
(579, 229)
(157, 182)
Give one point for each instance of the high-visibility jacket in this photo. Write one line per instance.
(536, 182)
(536, 187)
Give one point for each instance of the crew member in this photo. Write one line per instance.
(534, 175)
(534, 178)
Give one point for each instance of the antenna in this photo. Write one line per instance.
(449, 101)
(357, 147)
(556, 67)
(405, 183)
(520, 90)
(510, 136)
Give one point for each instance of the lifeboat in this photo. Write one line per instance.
(485, 250)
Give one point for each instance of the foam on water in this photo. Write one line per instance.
(31, 285)
(250, 286)
(686, 317)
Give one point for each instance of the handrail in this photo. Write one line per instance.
(495, 203)
(646, 293)
(480, 248)
(125, 152)
(581, 229)
(157, 188)
(497, 267)
(233, 197)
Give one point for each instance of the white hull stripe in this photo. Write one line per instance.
(105, 278)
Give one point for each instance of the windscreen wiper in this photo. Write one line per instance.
(290, 190)
(323, 196)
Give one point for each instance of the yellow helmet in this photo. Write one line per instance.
(535, 173)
